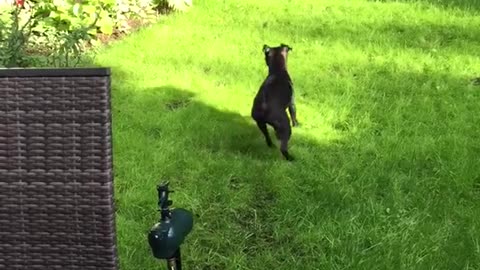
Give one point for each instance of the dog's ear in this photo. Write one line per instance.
(286, 46)
(266, 48)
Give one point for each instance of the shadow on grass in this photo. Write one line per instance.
(176, 114)
(466, 5)
(424, 36)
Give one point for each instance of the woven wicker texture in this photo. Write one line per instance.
(56, 182)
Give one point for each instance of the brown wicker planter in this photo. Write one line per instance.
(56, 179)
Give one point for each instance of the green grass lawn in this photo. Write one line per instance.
(387, 170)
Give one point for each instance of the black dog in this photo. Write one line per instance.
(274, 97)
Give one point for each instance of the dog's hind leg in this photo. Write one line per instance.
(263, 127)
(284, 138)
(283, 132)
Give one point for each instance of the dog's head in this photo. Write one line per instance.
(276, 57)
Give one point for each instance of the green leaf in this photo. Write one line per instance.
(106, 25)
(89, 9)
(54, 14)
(77, 9)
(109, 2)
(107, 29)
(104, 14)
(92, 31)
(65, 17)
(39, 28)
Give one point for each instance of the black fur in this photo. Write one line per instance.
(274, 97)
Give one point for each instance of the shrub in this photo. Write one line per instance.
(60, 30)
(15, 29)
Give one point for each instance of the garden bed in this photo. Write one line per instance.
(58, 33)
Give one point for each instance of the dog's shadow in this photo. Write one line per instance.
(172, 114)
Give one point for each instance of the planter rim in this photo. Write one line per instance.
(54, 72)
